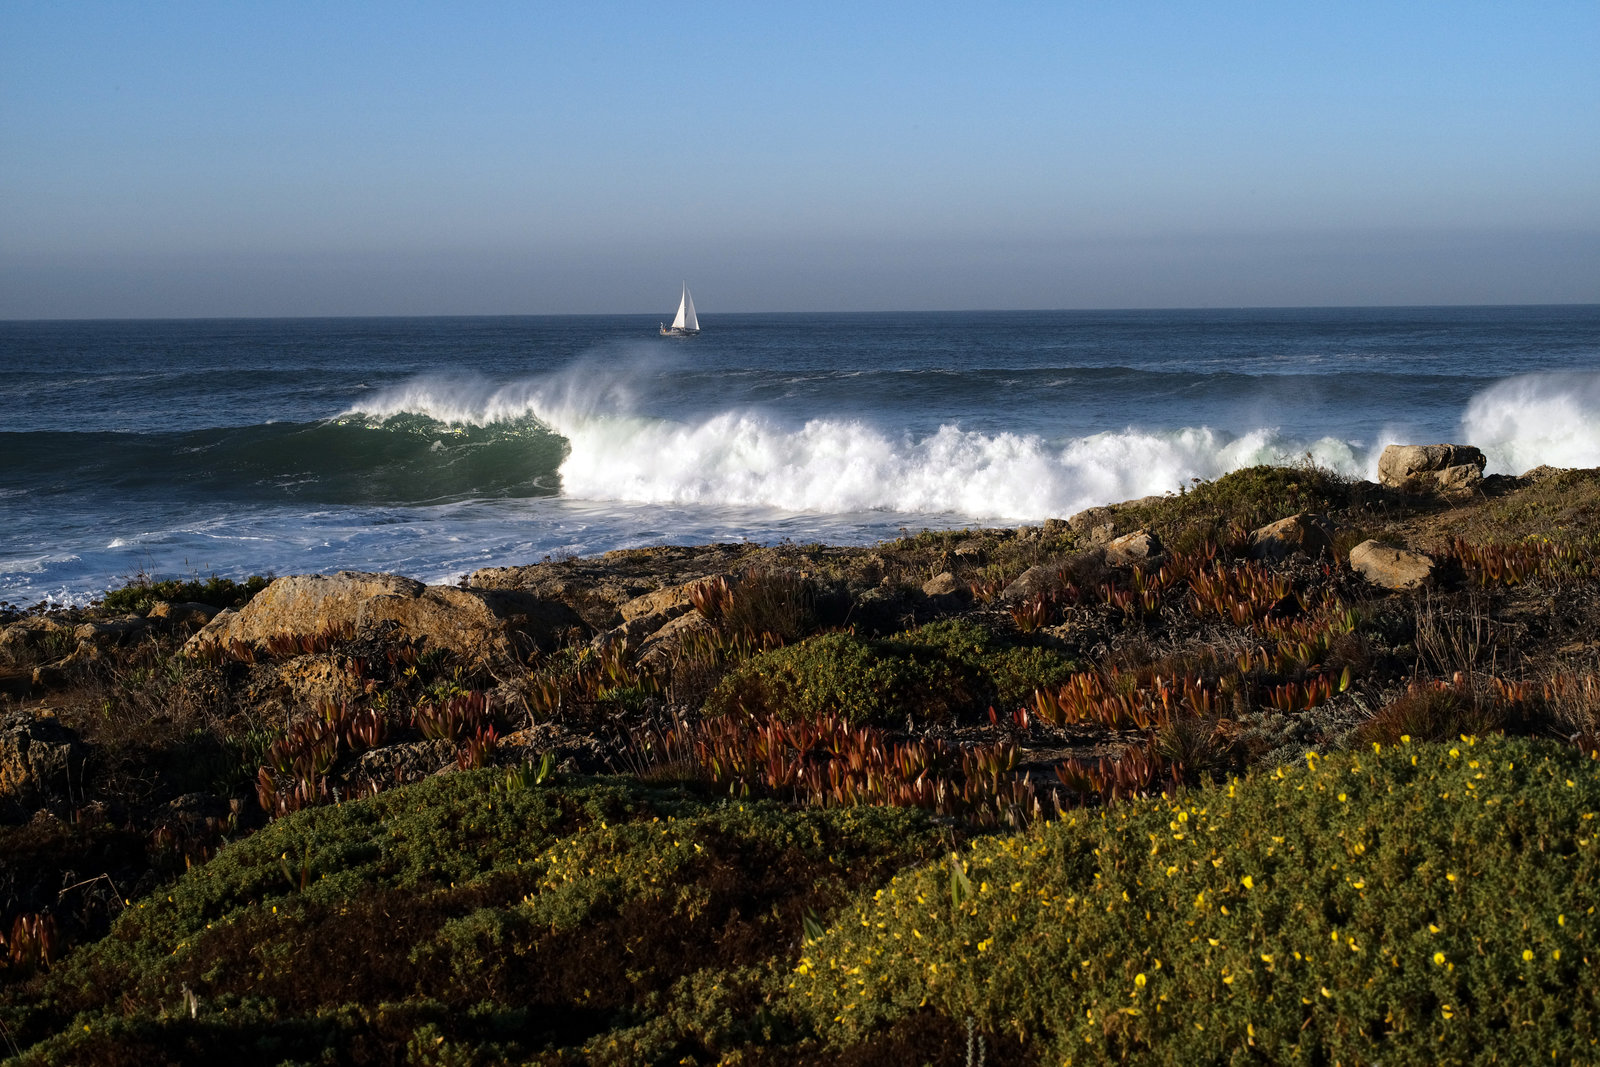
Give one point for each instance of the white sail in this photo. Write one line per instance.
(686, 319)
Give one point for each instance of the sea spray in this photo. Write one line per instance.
(1534, 419)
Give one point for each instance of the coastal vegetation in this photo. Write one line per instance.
(1181, 780)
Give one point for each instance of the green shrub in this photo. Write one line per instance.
(931, 673)
(841, 674)
(1000, 674)
(138, 595)
(1422, 904)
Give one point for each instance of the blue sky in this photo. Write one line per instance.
(199, 159)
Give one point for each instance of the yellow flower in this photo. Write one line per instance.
(1527, 954)
(1246, 882)
(1139, 979)
(1438, 959)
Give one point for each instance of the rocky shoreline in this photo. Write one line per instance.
(999, 677)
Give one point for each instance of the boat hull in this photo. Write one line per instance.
(677, 331)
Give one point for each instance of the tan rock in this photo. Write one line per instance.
(942, 584)
(311, 680)
(304, 604)
(1309, 534)
(1391, 566)
(111, 631)
(473, 623)
(1041, 578)
(1134, 548)
(22, 637)
(597, 588)
(972, 551)
(1449, 469)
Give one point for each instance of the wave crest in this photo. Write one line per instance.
(843, 466)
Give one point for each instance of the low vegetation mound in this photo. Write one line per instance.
(479, 916)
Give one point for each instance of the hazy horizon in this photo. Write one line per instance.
(817, 311)
(292, 160)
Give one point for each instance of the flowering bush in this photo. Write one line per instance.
(1404, 904)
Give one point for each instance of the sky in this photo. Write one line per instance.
(172, 159)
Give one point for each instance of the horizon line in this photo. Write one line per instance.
(883, 311)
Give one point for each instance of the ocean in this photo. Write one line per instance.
(434, 446)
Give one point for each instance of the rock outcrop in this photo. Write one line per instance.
(645, 615)
(1448, 469)
(473, 623)
(1391, 566)
(596, 589)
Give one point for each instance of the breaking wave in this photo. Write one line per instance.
(753, 459)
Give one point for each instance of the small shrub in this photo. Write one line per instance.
(840, 674)
(138, 595)
(931, 673)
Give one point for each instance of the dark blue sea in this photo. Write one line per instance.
(435, 446)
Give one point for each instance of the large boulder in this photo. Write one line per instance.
(1308, 534)
(1449, 469)
(1391, 566)
(40, 760)
(473, 623)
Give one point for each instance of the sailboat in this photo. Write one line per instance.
(685, 325)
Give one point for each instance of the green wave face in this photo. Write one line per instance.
(403, 459)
